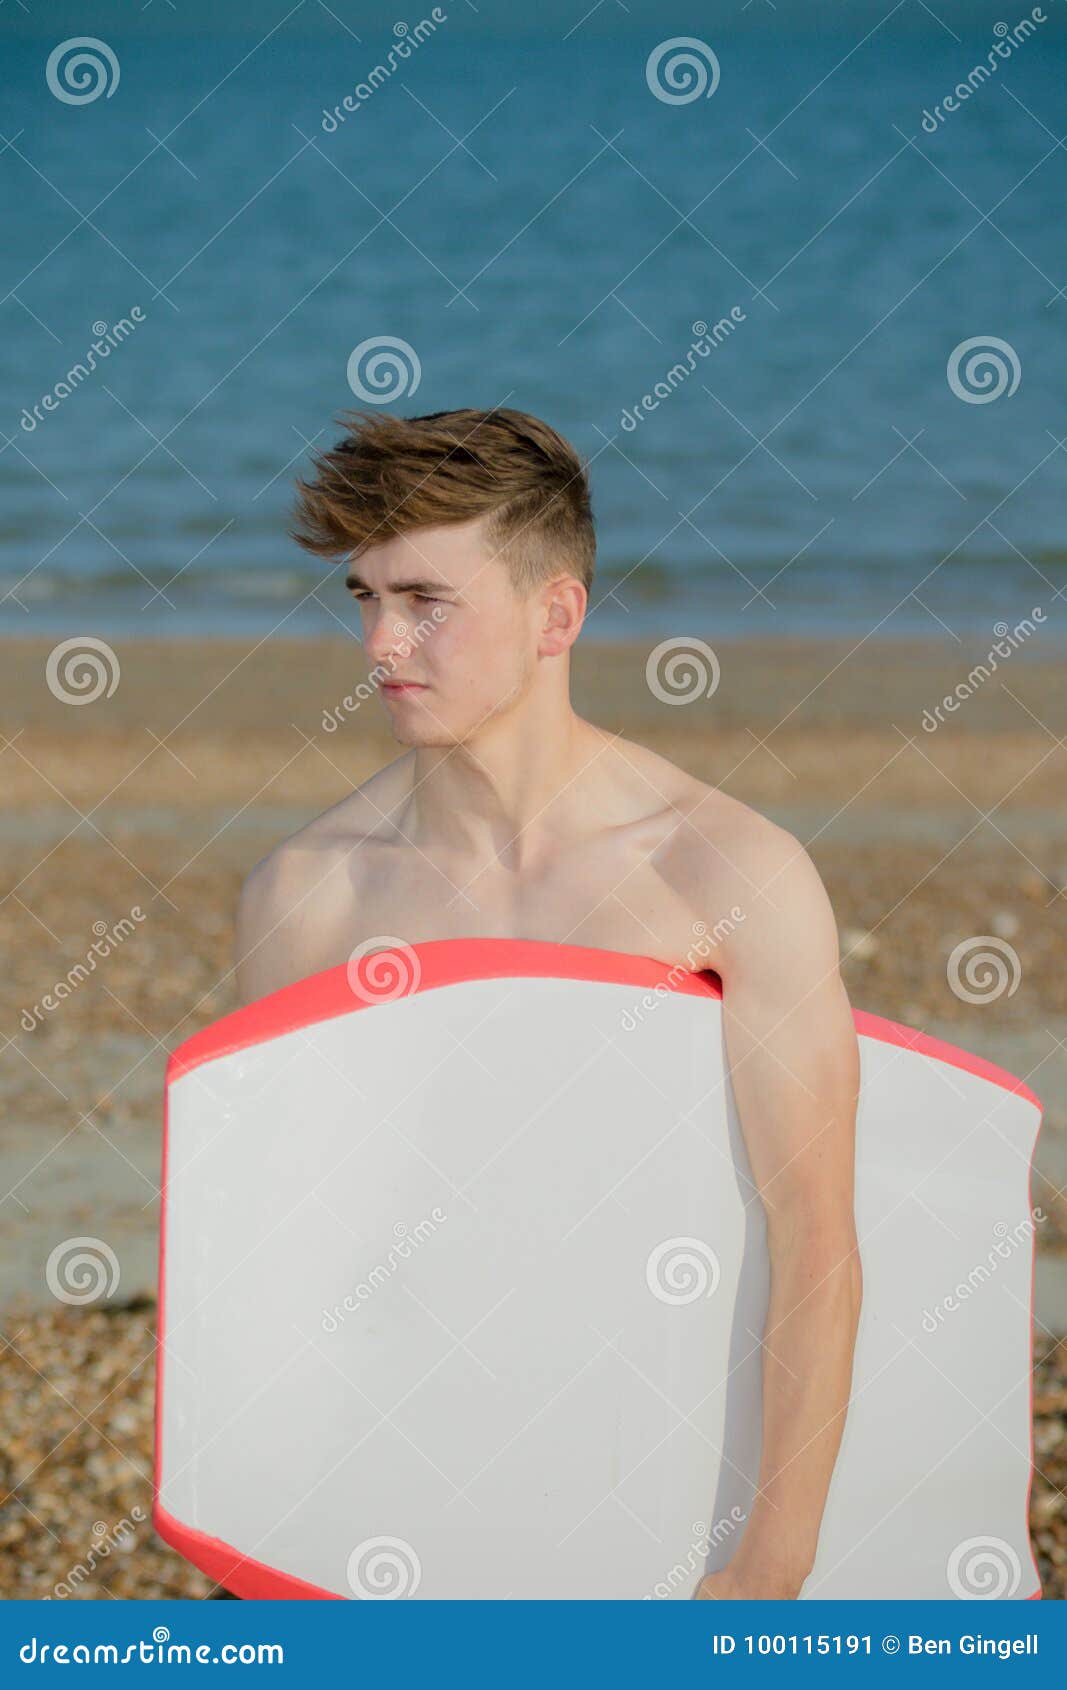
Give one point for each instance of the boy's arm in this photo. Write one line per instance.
(794, 1067)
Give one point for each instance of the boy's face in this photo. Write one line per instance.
(439, 610)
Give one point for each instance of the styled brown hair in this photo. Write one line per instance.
(390, 475)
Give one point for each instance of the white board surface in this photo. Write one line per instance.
(462, 1293)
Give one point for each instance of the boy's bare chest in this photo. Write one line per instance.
(614, 899)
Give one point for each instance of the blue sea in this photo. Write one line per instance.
(870, 441)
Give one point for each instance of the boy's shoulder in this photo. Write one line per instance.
(708, 825)
(296, 894)
(742, 873)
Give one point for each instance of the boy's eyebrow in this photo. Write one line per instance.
(353, 580)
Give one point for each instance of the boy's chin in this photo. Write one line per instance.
(427, 738)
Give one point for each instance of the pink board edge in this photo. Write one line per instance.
(446, 962)
(441, 962)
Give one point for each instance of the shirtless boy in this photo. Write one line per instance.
(469, 543)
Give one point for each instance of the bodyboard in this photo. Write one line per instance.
(463, 1276)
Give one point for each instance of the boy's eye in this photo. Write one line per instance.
(423, 598)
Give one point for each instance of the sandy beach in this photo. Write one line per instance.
(147, 807)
